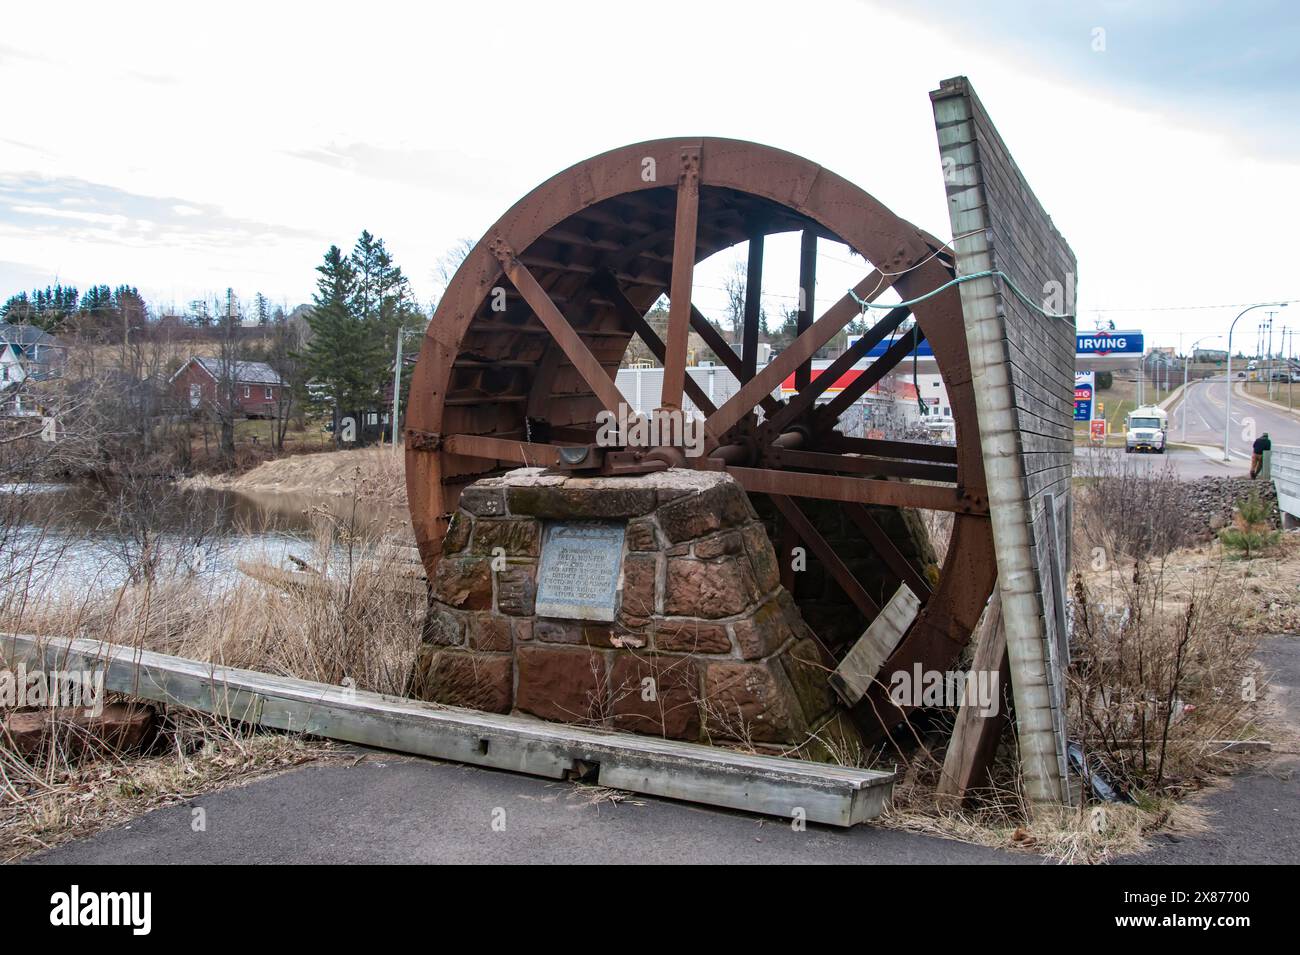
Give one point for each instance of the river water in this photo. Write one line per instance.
(70, 541)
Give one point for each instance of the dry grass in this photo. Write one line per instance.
(341, 623)
(48, 801)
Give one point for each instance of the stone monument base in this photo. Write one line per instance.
(698, 642)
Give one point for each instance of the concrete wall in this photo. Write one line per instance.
(1023, 365)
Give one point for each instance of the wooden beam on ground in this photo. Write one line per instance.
(832, 795)
(975, 735)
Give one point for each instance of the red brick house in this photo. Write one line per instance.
(257, 387)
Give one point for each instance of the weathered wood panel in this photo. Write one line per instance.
(1023, 364)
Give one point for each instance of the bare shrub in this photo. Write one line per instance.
(1129, 510)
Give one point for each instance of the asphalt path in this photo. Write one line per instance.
(395, 809)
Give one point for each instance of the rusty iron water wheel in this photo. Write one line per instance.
(522, 352)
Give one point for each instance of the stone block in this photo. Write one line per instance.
(710, 590)
(748, 702)
(488, 632)
(580, 502)
(517, 537)
(655, 695)
(464, 583)
(691, 636)
(567, 684)
(478, 681)
(517, 590)
(483, 501)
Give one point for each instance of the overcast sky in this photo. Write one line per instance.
(187, 148)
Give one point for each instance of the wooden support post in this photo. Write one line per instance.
(976, 733)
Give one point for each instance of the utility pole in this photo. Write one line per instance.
(1268, 388)
(397, 387)
(1227, 403)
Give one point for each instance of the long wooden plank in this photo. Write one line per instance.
(856, 673)
(833, 795)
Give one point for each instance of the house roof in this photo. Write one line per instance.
(245, 372)
(24, 335)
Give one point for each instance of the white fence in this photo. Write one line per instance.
(1284, 466)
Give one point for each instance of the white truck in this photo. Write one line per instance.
(1146, 429)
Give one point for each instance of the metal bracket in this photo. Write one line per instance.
(422, 440)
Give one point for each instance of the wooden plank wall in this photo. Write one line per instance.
(1023, 363)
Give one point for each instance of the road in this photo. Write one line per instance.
(1203, 409)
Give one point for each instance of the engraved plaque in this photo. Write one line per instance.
(578, 576)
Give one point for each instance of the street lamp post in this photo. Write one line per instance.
(1187, 357)
(1227, 404)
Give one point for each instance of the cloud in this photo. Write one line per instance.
(75, 209)
(1227, 66)
(438, 170)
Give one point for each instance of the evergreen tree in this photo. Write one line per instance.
(339, 356)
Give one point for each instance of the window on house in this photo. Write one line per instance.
(247, 391)
(269, 394)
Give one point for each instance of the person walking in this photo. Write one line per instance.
(1262, 444)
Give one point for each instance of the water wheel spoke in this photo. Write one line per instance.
(495, 448)
(884, 545)
(809, 393)
(812, 537)
(685, 226)
(882, 366)
(633, 318)
(753, 308)
(562, 332)
(832, 322)
(807, 298)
